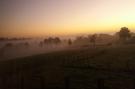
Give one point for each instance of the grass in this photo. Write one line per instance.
(114, 64)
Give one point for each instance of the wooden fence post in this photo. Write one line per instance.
(100, 84)
(4, 82)
(133, 83)
(21, 80)
(42, 82)
(67, 83)
(128, 65)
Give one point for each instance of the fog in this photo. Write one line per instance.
(17, 48)
(22, 48)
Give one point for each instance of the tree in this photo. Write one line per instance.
(69, 42)
(57, 40)
(93, 39)
(124, 34)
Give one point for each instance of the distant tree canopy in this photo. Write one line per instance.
(81, 40)
(69, 42)
(124, 33)
(51, 40)
(93, 39)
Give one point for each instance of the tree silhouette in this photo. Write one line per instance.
(93, 39)
(51, 41)
(124, 34)
(57, 40)
(69, 42)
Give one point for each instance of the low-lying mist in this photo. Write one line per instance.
(21, 48)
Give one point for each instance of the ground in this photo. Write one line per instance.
(111, 67)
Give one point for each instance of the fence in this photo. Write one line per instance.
(97, 78)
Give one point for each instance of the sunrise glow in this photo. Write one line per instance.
(65, 17)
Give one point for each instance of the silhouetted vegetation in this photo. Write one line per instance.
(50, 41)
(69, 42)
(13, 39)
(124, 34)
(93, 39)
(78, 66)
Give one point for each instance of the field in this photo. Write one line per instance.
(108, 67)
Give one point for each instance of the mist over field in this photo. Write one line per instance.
(12, 48)
(67, 44)
(100, 61)
(23, 48)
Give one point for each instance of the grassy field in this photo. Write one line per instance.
(111, 67)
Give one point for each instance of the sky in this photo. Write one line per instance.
(34, 18)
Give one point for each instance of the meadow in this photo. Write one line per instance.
(107, 67)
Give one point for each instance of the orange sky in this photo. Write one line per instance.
(65, 17)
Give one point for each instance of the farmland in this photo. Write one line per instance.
(108, 67)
